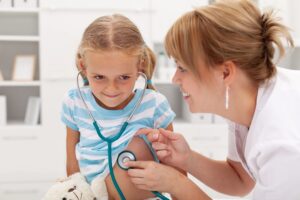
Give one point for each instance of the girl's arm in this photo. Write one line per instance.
(72, 140)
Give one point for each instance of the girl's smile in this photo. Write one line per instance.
(112, 77)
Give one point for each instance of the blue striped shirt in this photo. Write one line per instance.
(91, 151)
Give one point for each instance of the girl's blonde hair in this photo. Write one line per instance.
(117, 33)
(233, 30)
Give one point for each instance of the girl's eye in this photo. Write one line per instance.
(123, 78)
(99, 77)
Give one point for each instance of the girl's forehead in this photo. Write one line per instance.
(109, 54)
(112, 56)
(111, 61)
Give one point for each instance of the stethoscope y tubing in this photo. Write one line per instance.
(110, 140)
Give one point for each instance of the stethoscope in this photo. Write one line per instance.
(124, 156)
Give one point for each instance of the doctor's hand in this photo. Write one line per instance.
(153, 176)
(171, 148)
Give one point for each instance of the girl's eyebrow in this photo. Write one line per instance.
(94, 73)
(125, 74)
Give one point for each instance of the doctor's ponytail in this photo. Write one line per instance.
(271, 32)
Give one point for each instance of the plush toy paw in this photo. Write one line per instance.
(99, 188)
(73, 187)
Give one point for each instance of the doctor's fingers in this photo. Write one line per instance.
(163, 154)
(136, 173)
(143, 176)
(139, 182)
(152, 134)
(169, 134)
(139, 164)
(160, 146)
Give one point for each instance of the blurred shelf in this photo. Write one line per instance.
(19, 127)
(20, 83)
(19, 10)
(19, 38)
(91, 9)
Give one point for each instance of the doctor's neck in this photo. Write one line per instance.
(242, 103)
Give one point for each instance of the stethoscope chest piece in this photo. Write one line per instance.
(123, 157)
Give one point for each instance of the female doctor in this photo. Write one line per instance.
(224, 54)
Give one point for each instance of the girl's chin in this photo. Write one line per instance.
(109, 104)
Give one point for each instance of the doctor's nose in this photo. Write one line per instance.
(175, 78)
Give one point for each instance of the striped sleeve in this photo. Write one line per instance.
(163, 115)
(67, 111)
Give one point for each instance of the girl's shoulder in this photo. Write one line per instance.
(73, 93)
(155, 93)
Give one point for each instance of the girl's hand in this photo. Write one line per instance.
(171, 148)
(152, 176)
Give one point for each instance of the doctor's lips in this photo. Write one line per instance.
(184, 94)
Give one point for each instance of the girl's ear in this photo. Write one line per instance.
(228, 72)
(141, 66)
(141, 69)
(81, 66)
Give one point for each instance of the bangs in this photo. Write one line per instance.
(183, 42)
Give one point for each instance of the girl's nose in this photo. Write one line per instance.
(112, 85)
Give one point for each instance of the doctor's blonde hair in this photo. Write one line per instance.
(232, 30)
(117, 33)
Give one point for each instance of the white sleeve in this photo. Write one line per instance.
(278, 171)
(232, 151)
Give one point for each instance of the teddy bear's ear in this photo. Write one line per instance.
(60, 180)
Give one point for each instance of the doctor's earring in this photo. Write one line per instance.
(227, 97)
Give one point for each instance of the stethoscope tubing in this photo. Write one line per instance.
(110, 140)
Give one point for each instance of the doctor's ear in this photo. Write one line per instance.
(228, 71)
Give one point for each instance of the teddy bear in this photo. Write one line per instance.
(75, 187)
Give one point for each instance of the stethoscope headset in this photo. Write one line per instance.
(125, 155)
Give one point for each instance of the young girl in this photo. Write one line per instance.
(224, 55)
(110, 55)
